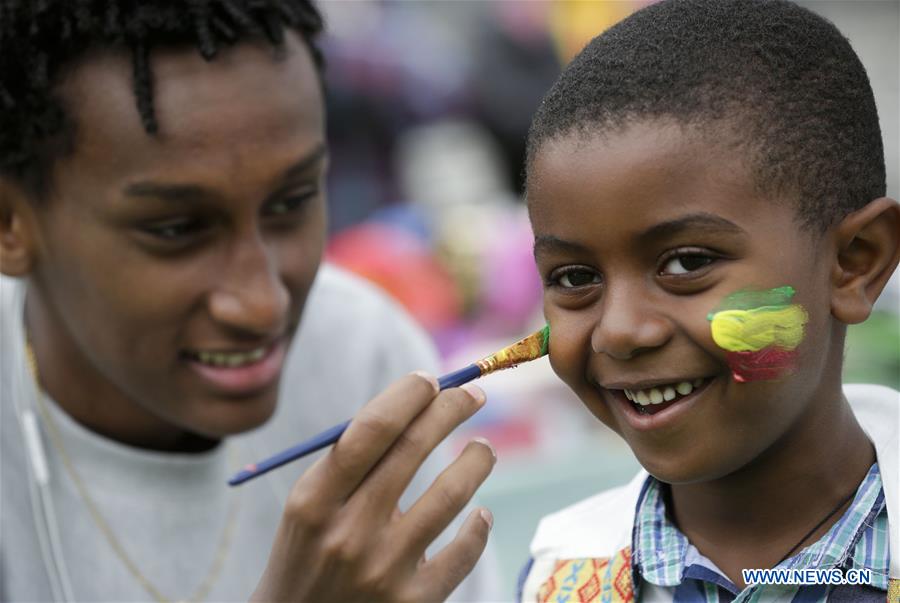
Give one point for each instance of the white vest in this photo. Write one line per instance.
(600, 527)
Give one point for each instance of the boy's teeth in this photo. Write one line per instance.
(232, 359)
(657, 395)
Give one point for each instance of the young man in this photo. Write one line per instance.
(162, 214)
(706, 188)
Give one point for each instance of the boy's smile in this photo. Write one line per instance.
(640, 234)
(172, 269)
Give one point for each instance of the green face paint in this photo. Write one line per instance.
(760, 331)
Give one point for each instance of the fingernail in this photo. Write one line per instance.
(430, 378)
(488, 518)
(488, 444)
(476, 392)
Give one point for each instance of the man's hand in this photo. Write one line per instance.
(342, 537)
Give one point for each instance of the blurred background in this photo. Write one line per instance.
(429, 104)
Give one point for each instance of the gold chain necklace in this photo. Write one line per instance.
(202, 591)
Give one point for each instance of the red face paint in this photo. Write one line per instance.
(759, 330)
(766, 364)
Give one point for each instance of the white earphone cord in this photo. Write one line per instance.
(42, 507)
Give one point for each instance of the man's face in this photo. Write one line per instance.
(640, 235)
(173, 269)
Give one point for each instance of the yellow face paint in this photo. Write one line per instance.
(759, 330)
(753, 330)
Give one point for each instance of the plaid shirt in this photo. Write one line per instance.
(666, 566)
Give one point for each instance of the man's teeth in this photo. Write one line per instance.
(665, 393)
(230, 359)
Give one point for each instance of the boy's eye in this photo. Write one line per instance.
(685, 263)
(572, 278)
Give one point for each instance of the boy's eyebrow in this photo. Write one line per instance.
(192, 192)
(698, 221)
(549, 243)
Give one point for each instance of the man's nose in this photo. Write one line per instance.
(251, 295)
(630, 323)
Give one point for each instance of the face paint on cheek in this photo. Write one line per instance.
(759, 331)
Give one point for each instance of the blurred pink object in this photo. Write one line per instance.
(511, 287)
(400, 263)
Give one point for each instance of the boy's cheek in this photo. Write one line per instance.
(758, 333)
(569, 346)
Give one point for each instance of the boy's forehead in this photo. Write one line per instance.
(644, 141)
(664, 168)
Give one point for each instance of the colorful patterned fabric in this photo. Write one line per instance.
(590, 580)
(893, 591)
(665, 560)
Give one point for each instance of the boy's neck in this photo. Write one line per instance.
(752, 518)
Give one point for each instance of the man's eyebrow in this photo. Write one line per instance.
(699, 221)
(551, 243)
(192, 192)
(167, 192)
(305, 163)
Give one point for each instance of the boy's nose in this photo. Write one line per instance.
(251, 295)
(629, 324)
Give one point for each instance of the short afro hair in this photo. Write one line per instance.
(38, 38)
(780, 78)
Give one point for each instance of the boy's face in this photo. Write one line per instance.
(172, 269)
(639, 235)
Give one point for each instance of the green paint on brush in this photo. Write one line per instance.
(545, 347)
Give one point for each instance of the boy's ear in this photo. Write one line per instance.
(868, 249)
(17, 230)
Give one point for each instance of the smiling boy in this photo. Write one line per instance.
(706, 188)
(162, 168)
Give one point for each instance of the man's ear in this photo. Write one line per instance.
(18, 237)
(868, 249)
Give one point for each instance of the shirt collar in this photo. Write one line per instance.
(659, 547)
(859, 525)
(662, 553)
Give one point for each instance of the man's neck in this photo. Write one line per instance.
(95, 403)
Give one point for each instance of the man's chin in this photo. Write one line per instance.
(233, 417)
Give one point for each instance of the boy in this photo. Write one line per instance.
(706, 187)
(161, 174)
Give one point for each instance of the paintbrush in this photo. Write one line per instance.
(532, 347)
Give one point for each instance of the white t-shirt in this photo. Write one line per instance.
(169, 511)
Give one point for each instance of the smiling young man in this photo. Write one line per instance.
(706, 189)
(162, 211)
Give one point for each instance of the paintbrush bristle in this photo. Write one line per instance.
(530, 348)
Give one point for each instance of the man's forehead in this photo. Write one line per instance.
(190, 95)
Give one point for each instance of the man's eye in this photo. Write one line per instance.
(290, 204)
(682, 264)
(574, 278)
(173, 230)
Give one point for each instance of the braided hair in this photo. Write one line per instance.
(39, 38)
